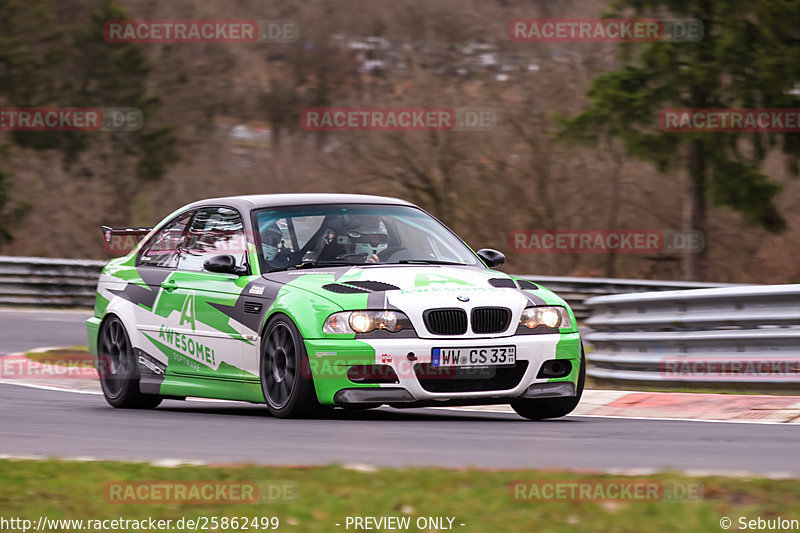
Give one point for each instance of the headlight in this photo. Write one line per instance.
(366, 322)
(549, 317)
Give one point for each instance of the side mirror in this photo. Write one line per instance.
(224, 264)
(491, 258)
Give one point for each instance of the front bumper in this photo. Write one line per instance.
(398, 397)
(331, 359)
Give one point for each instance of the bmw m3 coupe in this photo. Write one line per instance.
(306, 302)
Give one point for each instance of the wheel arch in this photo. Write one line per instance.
(105, 318)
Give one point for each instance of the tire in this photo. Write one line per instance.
(544, 408)
(118, 369)
(285, 374)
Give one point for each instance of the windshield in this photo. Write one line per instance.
(355, 234)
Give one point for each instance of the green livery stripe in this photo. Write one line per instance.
(569, 347)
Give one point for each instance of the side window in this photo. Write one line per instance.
(214, 231)
(162, 249)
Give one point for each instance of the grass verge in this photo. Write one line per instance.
(73, 355)
(326, 496)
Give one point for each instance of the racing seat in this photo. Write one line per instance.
(331, 251)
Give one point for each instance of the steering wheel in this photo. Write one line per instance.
(393, 254)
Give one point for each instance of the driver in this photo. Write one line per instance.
(372, 240)
(271, 244)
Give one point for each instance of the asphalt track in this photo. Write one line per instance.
(25, 329)
(36, 422)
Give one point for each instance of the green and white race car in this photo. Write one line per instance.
(309, 301)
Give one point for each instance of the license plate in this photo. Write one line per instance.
(474, 356)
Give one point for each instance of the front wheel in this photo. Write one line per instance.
(543, 408)
(118, 369)
(285, 374)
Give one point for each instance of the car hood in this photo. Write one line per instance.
(415, 288)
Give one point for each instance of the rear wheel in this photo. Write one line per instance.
(285, 374)
(543, 408)
(118, 370)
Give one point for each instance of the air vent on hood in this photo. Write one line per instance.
(355, 287)
(526, 285)
(343, 289)
(374, 286)
(502, 283)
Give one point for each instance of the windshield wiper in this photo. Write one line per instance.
(315, 264)
(425, 262)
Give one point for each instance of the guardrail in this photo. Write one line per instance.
(35, 281)
(745, 335)
(575, 291)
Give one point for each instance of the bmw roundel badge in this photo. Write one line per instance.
(462, 298)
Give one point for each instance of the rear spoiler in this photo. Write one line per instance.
(120, 241)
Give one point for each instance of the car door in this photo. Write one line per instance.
(156, 265)
(207, 331)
